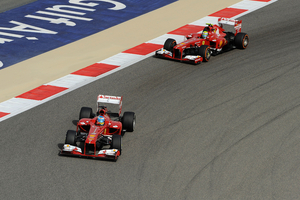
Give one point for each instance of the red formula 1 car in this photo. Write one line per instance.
(99, 135)
(212, 40)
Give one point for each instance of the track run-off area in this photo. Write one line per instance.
(225, 129)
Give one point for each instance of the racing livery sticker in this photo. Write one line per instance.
(221, 42)
(44, 25)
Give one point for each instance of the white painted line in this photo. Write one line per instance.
(70, 80)
(204, 20)
(250, 6)
(16, 105)
(123, 59)
(163, 38)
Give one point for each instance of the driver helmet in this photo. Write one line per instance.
(204, 34)
(100, 120)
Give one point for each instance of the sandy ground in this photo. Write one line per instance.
(29, 74)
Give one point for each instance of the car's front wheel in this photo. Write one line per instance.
(170, 44)
(71, 137)
(117, 143)
(205, 52)
(85, 112)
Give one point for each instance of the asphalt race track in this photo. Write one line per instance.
(226, 129)
(9, 4)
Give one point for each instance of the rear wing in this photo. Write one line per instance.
(110, 100)
(236, 23)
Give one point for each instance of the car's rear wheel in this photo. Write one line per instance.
(205, 52)
(241, 40)
(128, 121)
(71, 137)
(117, 143)
(85, 112)
(170, 44)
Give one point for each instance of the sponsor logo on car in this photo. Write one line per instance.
(220, 44)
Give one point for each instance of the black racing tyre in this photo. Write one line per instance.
(169, 44)
(128, 121)
(205, 52)
(85, 112)
(71, 137)
(241, 40)
(116, 143)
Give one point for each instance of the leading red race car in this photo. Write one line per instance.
(212, 40)
(99, 135)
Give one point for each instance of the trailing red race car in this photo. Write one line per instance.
(99, 135)
(212, 40)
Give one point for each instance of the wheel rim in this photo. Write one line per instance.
(245, 43)
(208, 54)
(173, 44)
(133, 124)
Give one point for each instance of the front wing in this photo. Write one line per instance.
(162, 53)
(70, 150)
